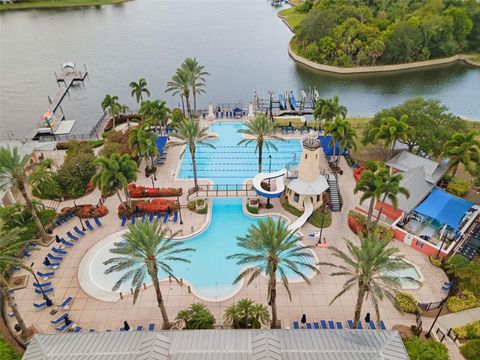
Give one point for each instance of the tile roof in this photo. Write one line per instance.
(220, 344)
(405, 161)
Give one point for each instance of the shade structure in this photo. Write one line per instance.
(161, 141)
(328, 148)
(446, 208)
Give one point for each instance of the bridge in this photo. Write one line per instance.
(226, 190)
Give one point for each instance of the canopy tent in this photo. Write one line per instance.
(161, 141)
(446, 208)
(327, 148)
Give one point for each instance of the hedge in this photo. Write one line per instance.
(458, 187)
(252, 210)
(467, 301)
(471, 350)
(469, 331)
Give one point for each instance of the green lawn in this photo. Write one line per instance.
(292, 16)
(315, 219)
(46, 4)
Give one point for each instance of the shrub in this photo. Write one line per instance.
(469, 331)
(155, 206)
(8, 352)
(191, 205)
(458, 187)
(245, 314)
(434, 261)
(252, 210)
(358, 224)
(426, 349)
(407, 302)
(467, 301)
(197, 316)
(203, 211)
(76, 172)
(471, 350)
(142, 191)
(86, 211)
(467, 272)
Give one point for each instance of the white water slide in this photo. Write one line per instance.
(308, 206)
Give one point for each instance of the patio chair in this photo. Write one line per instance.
(71, 236)
(339, 325)
(26, 253)
(372, 326)
(59, 319)
(45, 291)
(350, 324)
(64, 327)
(139, 328)
(55, 258)
(159, 216)
(360, 325)
(331, 324)
(382, 325)
(308, 326)
(150, 218)
(97, 221)
(59, 252)
(165, 217)
(134, 216)
(43, 286)
(296, 325)
(66, 243)
(77, 329)
(66, 303)
(324, 324)
(78, 231)
(175, 216)
(45, 275)
(89, 225)
(151, 327)
(124, 220)
(316, 326)
(53, 266)
(40, 306)
(144, 216)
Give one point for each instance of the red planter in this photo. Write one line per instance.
(142, 191)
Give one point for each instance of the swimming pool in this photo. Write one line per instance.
(229, 163)
(410, 272)
(209, 272)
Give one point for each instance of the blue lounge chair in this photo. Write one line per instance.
(165, 217)
(78, 231)
(58, 320)
(46, 291)
(59, 252)
(58, 223)
(124, 220)
(139, 328)
(350, 324)
(77, 329)
(360, 325)
(296, 325)
(382, 325)
(71, 236)
(66, 243)
(331, 324)
(372, 326)
(97, 221)
(53, 266)
(150, 219)
(175, 216)
(70, 216)
(316, 326)
(134, 216)
(339, 325)
(151, 327)
(324, 324)
(89, 225)
(26, 254)
(144, 216)
(55, 258)
(308, 326)
(43, 286)
(45, 275)
(41, 305)
(159, 216)
(66, 303)
(64, 327)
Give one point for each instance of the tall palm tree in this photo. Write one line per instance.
(271, 249)
(371, 185)
(180, 85)
(114, 174)
(111, 103)
(329, 109)
(155, 112)
(143, 143)
(342, 134)
(245, 314)
(146, 250)
(463, 148)
(370, 269)
(13, 173)
(390, 189)
(190, 134)
(260, 130)
(392, 130)
(197, 74)
(138, 89)
(10, 244)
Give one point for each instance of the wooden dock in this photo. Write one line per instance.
(68, 78)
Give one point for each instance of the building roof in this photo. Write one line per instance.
(219, 345)
(405, 161)
(419, 188)
(303, 187)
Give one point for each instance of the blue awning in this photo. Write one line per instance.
(327, 148)
(161, 141)
(446, 208)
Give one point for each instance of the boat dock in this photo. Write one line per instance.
(68, 77)
(286, 103)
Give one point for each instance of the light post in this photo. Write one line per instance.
(153, 183)
(81, 222)
(269, 179)
(428, 334)
(45, 297)
(179, 211)
(321, 230)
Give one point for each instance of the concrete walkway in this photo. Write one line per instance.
(458, 319)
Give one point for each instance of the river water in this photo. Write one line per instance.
(243, 44)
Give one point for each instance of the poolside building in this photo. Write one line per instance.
(220, 344)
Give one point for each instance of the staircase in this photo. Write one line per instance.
(335, 201)
(52, 204)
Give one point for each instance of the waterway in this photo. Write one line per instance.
(243, 44)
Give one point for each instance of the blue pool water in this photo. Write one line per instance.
(210, 273)
(229, 163)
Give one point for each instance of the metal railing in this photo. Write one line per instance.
(232, 190)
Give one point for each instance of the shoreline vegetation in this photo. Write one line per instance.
(54, 4)
(346, 44)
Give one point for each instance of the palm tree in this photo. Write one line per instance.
(143, 143)
(114, 174)
(155, 112)
(392, 130)
(245, 314)
(10, 244)
(190, 134)
(13, 173)
(271, 249)
(463, 148)
(329, 109)
(259, 129)
(111, 103)
(342, 134)
(197, 77)
(138, 89)
(371, 185)
(145, 250)
(197, 316)
(180, 85)
(370, 268)
(390, 189)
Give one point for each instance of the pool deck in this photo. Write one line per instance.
(312, 300)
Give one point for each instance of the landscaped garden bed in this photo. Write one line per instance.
(142, 191)
(149, 206)
(86, 211)
(199, 206)
(320, 217)
(357, 222)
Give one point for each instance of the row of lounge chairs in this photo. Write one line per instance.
(331, 325)
(152, 217)
(288, 130)
(66, 325)
(64, 219)
(151, 327)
